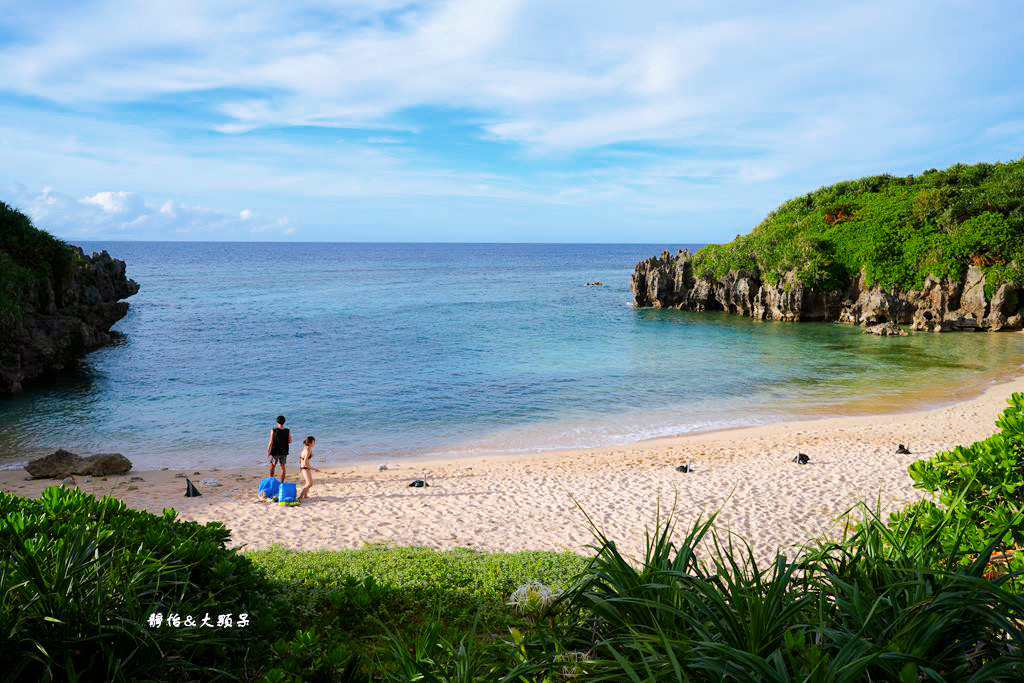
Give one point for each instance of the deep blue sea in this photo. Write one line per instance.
(387, 351)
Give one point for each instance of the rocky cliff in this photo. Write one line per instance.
(63, 316)
(941, 305)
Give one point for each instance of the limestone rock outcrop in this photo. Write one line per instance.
(669, 281)
(63, 318)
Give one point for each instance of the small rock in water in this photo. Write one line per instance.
(88, 481)
(902, 450)
(179, 475)
(136, 479)
(889, 329)
(684, 468)
(419, 483)
(382, 467)
(802, 459)
(195, 474)
(132, 488)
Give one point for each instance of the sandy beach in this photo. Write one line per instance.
(537, 502)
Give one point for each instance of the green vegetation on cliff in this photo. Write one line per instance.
(27, 255)
(898, 230)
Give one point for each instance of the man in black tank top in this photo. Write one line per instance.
(277, 447)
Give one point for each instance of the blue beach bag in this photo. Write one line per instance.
(287, 494)
(269, 487)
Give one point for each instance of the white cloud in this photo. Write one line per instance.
(126, 215)
(606, 108)
(566, 75)
(125, 204)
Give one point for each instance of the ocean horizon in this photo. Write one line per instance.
(412, 350)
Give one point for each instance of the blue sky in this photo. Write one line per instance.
(485, 120)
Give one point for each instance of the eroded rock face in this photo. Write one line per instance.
(874, 306)
(941, 305)
(789, 300)
(1004, 309)
(61, 464)
(64, 318)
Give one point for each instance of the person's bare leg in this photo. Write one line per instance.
(282, 473)
(307, 478)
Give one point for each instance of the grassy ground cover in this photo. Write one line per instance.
(370, 597)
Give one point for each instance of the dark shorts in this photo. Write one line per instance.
(282, 459)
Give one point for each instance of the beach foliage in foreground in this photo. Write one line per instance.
(909, 598)
(896, 230)
(867, 607)
(80, 577)
(980, 496)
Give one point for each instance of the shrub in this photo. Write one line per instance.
(80, 577)
(980, 488)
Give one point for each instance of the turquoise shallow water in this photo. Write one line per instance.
(398, 350)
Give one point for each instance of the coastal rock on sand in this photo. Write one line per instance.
(56, 465)
(104, 464)
(669, 281)
(65, 316)
(62, 463)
